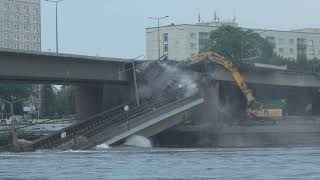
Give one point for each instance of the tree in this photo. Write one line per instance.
(17, 92)
(66, 101)
(236, 44)
(114, 96)
(48, 104)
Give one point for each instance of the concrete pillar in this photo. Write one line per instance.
(300, 103)
(210, 109)
(316, 103)
(88, 100)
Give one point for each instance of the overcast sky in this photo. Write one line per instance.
(116, 28)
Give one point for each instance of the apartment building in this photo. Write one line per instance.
(181, 42)
(20, 25)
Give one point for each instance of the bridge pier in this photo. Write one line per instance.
(316, 102)
(300, 103)
(88, 100)
(210, 108)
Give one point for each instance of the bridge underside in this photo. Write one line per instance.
(270, 77)
(88, 74)
(60, 69)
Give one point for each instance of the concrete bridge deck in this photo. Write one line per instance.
(61, 68)
(270, 77)
(68, 68)
(115, 125)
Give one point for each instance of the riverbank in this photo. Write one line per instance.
(5, 139)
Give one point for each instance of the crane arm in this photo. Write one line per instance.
(231, 68)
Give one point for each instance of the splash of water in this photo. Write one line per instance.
(138, 141)
(102, 146)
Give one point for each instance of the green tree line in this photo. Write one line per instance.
(55, 102)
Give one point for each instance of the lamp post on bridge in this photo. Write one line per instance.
(135, 79)
(57, 35)
(158, 19)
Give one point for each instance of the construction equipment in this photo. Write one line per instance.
(255, 109)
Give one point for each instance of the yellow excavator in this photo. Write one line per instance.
(255, 109)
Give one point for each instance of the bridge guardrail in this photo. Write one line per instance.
(89, 125)
(126, 124)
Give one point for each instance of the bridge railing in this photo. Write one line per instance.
(93, 124)
(127, 123)
(77, 127)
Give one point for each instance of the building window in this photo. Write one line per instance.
(301, 49)
(193, 46)
(291, 41)
(281, 51)
(16, 7)
(26, 18)
(26, 37)
(6, 35)
(17, 36)
(311, 43)
(26, 9)
(27, 47)
(203, 40)
(291, 51)
(165, 49)
(17, 46)
(193, 35)
(16, 27)
(36, 10)
(6, 45)
(7, 26)
(6, 6)
(16, 17)
(165, 37)
(312, 51)
(7, 17)
(35, 38)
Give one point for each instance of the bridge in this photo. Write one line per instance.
(118, 124)
(44, 67)
(90, 73)
(271, 77)
(87, 73)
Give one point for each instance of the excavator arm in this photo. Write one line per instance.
(255, 109)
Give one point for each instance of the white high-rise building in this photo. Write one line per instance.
(181, 42)
(20, 25)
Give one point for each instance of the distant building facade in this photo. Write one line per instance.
(20, 24)
(181, 42)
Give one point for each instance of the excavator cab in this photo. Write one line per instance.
(259, 110)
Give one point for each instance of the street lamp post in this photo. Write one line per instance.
(57, 35)
(135, 80)
(158, 19)
(2, 109)
(13, 123)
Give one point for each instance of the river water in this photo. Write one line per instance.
(153, 163)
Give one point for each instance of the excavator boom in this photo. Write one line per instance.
(254, 109)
